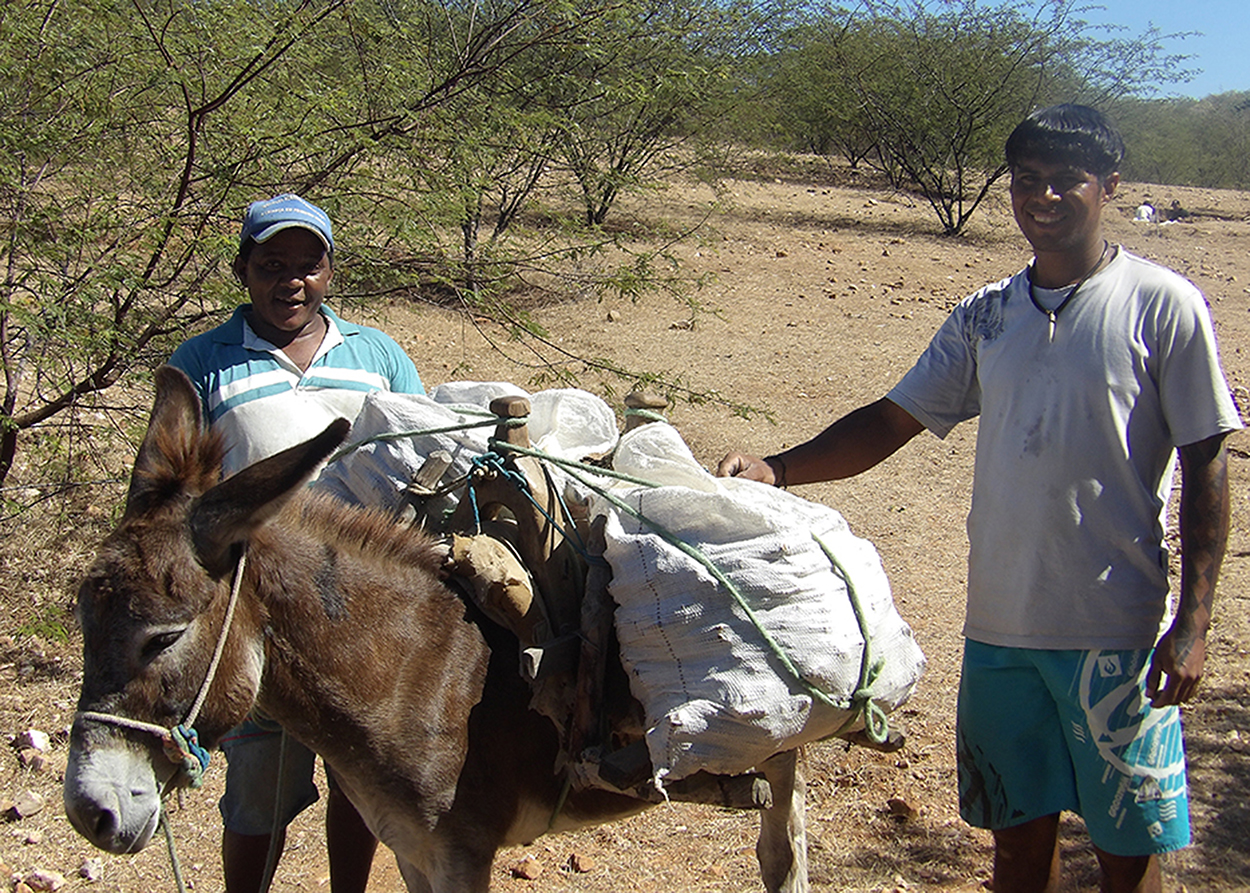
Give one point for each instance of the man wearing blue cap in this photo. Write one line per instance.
(272, 376)
(284, 366)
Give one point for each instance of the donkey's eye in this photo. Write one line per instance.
(159, 642)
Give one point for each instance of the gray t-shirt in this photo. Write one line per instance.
(1075, 448)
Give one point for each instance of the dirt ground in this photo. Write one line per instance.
(822, 293)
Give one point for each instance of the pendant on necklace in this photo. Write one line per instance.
(1052, 315)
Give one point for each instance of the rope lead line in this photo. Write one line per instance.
(173, 853)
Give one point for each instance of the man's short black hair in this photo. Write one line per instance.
(1068, 134)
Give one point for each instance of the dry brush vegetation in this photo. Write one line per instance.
(821, 291)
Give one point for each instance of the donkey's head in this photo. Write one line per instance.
(152, 610)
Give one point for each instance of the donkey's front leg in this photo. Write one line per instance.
(782, 847)
(454, 879)
(414, 879)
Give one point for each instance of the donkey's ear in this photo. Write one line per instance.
(228, 513)
(175, 423)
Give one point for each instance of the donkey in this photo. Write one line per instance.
(344, 632)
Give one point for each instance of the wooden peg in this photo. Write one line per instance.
(512, 407)
(643, 403)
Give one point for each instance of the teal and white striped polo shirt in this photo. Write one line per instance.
(263, 403)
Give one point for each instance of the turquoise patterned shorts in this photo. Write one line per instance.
(1040, 732)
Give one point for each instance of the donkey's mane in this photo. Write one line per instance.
(367, 532)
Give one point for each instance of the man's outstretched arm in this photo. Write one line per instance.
(852, 444)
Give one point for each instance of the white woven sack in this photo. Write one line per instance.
(567, 423)
(571, 424)
(715, 692)
(477, 394)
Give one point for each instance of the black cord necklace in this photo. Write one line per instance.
(1053, 315)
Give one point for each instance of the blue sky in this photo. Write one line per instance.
(1222, 50)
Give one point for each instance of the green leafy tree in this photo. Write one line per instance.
(939, 86)
(114, 184)
(648, 79)
(816, 108)
(1160, 139)
(133, 134)
(1192, 142)
(1226, 142)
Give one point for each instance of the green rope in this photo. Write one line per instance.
(649, 415)
(179, 880)
(876, 725)
(572, 465)
(488, 421)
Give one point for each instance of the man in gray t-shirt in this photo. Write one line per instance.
(1091, 371)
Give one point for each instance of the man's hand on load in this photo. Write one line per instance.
(753, 468)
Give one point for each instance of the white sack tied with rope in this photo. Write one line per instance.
(764, 653)
(394, 434)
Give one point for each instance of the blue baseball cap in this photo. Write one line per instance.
(267, 218)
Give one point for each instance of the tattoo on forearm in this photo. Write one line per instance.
(1204, 523)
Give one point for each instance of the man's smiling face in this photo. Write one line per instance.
(1058, 207)
(287, 278)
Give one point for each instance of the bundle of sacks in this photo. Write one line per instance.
(765, 652)
(378, 465)
(742, 611)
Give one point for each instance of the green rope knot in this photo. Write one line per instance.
(876, 724)
(182, 746)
